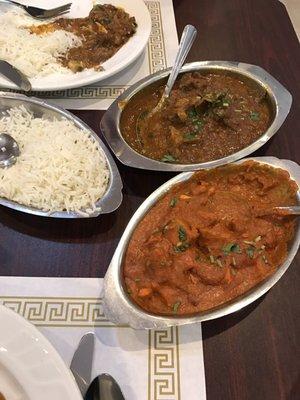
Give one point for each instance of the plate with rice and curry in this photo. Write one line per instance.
(94, 41)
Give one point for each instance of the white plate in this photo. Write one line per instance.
(30, 368)
(125, 56)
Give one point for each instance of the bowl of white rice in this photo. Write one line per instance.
(64, 170)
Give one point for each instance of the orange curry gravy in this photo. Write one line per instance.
(206, 117)
(202, 244)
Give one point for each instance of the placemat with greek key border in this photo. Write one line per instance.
(162, 364)
(159, 54)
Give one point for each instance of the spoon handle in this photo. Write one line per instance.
(187, 39)
(289, 210)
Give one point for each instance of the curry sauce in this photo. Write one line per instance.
(207, 117)
(208, 240)
(103, 32)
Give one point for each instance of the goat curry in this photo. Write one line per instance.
(207, 117)
(207, 241)
(106, 29)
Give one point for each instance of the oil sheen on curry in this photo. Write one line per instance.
(210, 239)
(206, 117)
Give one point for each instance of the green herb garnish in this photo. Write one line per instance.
(254, 116)
(176, 306)
(137, 279)
(192, 113)
(231, 248)
(173, 202)
(182, 234)
(168, 158)
(190, 136)
(129, 291)
(250, 251)
(181, 247)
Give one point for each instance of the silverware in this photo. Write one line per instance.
(187, 39)
(104, 387)
(120, 309)
(113, 195)
(281, 211)
(41, 13)
(292, 210)
(82, 362)
(278, 97)
(14, 75)
(9, 150)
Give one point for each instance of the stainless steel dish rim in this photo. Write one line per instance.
(113, 195)
(121, 309)
(110, 123)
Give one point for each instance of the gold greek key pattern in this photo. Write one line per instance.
(156, 45)
(163, 348)
(92, 92)
(164, 374)
(65, 311)
(156, 57)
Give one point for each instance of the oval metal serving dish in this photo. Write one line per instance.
(118, 306)
(278, 97)
(113, 195)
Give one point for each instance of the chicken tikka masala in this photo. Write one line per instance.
(207, 241)
(207, 117)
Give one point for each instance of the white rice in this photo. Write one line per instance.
(61, 167)
(34, 55)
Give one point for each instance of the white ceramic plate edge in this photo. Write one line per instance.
(18, 333)
(122, 59)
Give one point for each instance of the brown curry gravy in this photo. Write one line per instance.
(103, 32)
(203, 243)
(207, 117)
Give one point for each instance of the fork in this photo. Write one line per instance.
(41, 13)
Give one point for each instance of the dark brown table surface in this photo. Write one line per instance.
(252, 354)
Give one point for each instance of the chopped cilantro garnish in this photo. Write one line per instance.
(250, 251)
(254, 116)
(190, 136)
(182, 234)
(231, 248)
(173, 202)
(176, 306)
(168, 158)
(181, 248)
(192, 112)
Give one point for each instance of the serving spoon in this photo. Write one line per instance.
(187, 39)
(9, 150)
(281, 211)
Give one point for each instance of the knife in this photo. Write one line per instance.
(82, 362)
(14, 75)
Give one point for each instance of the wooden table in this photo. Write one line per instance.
(251, 354)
